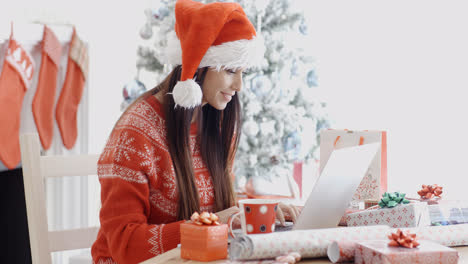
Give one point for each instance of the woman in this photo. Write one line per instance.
(171, 153)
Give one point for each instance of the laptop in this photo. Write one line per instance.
(335, 187)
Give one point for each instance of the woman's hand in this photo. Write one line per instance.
(285, 210)
(225, 214)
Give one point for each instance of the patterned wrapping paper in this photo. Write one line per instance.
(341, 251)
(409, 215)
(453, 235)
(378, 251)
(309, 243)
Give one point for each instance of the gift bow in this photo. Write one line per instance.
(204, 218)
(391, 200)
(429, 191)
(403, 239)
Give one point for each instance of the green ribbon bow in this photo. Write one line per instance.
(391, 200)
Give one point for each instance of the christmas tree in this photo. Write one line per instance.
(282, 115)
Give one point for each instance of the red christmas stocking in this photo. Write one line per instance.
(15, 79)
(44, 99)
(72, 90)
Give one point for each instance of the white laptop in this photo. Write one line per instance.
(335, 187)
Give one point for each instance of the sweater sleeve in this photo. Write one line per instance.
(123, 173)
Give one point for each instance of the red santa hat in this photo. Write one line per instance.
(217, 35)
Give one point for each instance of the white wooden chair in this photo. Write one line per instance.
(36, 169)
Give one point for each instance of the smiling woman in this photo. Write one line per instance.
(221, 86)
(172, 151)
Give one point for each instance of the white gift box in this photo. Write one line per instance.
(404, 215)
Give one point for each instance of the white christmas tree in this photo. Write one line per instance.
(282, 114)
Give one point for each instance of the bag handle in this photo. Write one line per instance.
(361, 141)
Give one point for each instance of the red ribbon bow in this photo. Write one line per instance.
(403, 239)
(204, 218)
(429, 191)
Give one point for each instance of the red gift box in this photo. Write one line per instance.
(203, 242)
(378, 251)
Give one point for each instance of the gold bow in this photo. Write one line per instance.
(204, 218)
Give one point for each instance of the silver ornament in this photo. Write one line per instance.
(293, 144)
(133, 90)
(312, 79)
(163, 12)
(303, 28)
(261, 85)
(250, 128)
(294, 69)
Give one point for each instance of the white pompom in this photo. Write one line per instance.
(187, 94)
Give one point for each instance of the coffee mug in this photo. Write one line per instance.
(257, 216)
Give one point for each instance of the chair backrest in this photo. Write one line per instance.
(36, 169)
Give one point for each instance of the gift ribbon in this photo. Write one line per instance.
(391, 200)
(403, 239)
(204, 218)
(429, 191)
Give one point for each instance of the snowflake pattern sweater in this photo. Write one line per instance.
(138, 188)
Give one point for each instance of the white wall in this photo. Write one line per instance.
(400, 66)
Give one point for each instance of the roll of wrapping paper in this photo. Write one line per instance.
(451, 236)
(341, 251)
(309, 243)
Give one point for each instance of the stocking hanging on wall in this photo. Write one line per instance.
(15, 79)
(44, 99)
(72, 91)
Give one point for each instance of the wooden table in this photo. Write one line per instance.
(173, 256)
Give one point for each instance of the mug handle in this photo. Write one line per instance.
(230, 220)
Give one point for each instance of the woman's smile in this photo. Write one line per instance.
(227, 96)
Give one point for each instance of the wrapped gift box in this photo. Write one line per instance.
(344, 218)
(378, 251)
(435, 200)
(449, 212)
(370, 202)
(203, 242)
(409, 215)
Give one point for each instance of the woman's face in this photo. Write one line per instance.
(219, 87)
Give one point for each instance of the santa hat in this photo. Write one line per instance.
(217, 35)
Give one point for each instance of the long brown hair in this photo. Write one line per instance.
(218, 134)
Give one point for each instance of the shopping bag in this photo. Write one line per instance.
(374, 183)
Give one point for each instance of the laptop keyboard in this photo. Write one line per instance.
(288, 227)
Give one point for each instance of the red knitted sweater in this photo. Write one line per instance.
(138, 188)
